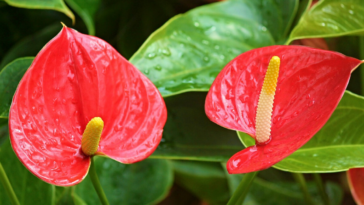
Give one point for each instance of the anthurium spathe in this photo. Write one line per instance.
(303, 88)
(76, 81)
(356, 179)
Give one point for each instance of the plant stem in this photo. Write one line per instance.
(8, 188)
(242, 190)
(361, 55)
(321, 188)
(96, 183)
(302, 182)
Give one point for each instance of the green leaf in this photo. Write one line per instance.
(86, 9)
(338, 146)
(188, 52)
(206, 180)
(9, 80)
(283, 192)
(28, 188)
(57, 5)
(31, 45)
(330, 18)
(264, 192)
(145, 182)
(189, 134)
(63, 195)
(4, 130)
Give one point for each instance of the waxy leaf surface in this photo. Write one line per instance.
(330, 18)
(145, 182)
(73, 79)
(188, 52)
(9, 80)
(311, 83)
(338, 146)
(356, 179)
(57, 5)
(190, 135)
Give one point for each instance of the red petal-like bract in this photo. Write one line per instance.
(356, 182)
(74, 78)
(311, 83)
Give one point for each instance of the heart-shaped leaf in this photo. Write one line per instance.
(146, 182)
(330, 18)
(356, 178)
(28, 188)
(188, 52)
(338, 146)
(86, 9)
(9, 80)
(189, 134)
(311, 83)
(57, 5)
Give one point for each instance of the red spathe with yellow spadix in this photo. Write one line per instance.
(310, 84)
(76, 79)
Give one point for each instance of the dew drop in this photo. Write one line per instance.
(166, 52)
(151, 55)
(196, 24)
(158, 67)
(146, 71)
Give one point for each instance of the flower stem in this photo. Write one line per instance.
(321, 188)
(242, 190)
(96, 183)
(8, 188)
(302, 182)
(361, 55)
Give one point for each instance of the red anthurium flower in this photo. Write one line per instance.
(78, 80)
(301, 89)
(356, 182)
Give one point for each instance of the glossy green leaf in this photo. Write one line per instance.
(188, 52)
(145, 182)
(31, 45)
(330, 18)
(28, 188)
(9, 80)
(86, 9)
(57, 5)
(338, 146)
(189, 134)
(206, 180)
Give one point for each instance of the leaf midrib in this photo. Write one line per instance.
(330, 147)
